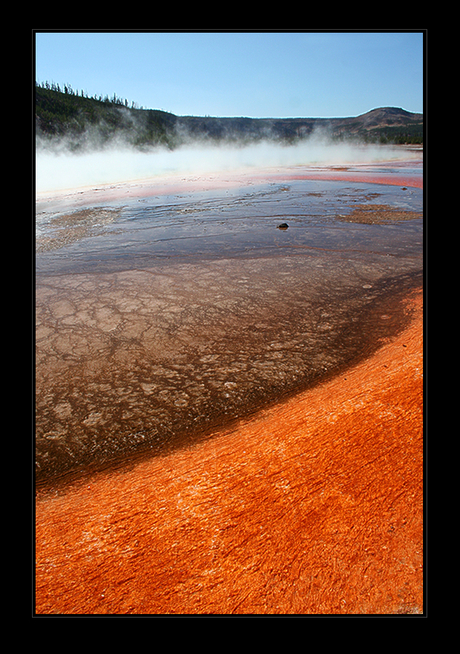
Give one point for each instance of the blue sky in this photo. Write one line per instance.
(254, 74)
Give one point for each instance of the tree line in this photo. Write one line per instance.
(63, 111)
(68, 90)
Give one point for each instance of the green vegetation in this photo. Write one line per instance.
(93, 122)
(410, 134)
(98, 120)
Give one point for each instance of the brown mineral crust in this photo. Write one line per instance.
(68, 228)
(313, 506)
(372, 214)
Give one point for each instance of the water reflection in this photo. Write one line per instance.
(213, 223)
(168, 315)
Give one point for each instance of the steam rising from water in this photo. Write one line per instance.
(201, 311)
(57, 169)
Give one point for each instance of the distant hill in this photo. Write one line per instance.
(93, 122)
(386, 124)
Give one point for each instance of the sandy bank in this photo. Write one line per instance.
(312, 506)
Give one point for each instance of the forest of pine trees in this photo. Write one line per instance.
(68, 90)
(65, 112)
(92, 121)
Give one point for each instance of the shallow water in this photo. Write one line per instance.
(210, 224)
(160, 317)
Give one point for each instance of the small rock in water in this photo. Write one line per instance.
(283, 226)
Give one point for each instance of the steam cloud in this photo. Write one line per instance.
(58, 168)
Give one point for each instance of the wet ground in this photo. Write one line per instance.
(161, 316)
(312, 506)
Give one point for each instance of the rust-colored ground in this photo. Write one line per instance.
(313, 506)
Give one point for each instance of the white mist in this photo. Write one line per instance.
(58, 169)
